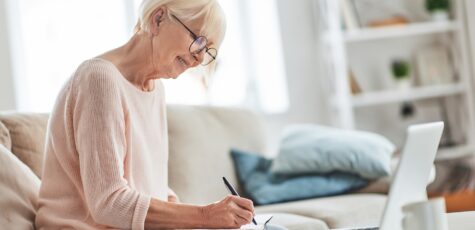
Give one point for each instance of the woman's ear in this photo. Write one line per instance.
(157, 17)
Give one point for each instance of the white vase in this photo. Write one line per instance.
(440, 16)
(403, 84)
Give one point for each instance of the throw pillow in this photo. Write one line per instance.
(5, 136)
(19, 188)
(28, 135)
(260, 185)
(318, 149)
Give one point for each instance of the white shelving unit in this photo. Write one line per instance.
(454, 152)
(336, 41)
(420, 93)
(413, 29)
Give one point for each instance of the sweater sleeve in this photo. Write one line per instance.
(99, 132)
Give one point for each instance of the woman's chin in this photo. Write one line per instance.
(173, 74)
(176, 74)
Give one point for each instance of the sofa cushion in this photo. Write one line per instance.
(19, 188)
(27, 132)
(199, 141)
(5, 139)
(307, 148)
(355, 210)
(263, 187)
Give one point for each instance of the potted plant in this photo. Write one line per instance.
(439, 9)
(401, 73)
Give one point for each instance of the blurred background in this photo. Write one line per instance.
(375, 65)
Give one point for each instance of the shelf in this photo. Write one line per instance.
(394, 96)
(448, 153)
(368, 34)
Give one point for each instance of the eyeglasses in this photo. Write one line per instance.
(198, 45)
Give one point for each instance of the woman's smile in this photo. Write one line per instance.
(182, 62)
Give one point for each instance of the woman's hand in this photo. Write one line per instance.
(231, 212)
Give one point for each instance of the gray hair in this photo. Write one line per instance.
(210, 11)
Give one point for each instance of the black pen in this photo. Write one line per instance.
(234, 192)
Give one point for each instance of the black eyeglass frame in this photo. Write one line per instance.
(195, 38)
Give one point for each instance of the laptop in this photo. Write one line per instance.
(412, 174)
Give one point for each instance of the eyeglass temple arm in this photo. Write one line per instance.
(210, 54)
(186, 27)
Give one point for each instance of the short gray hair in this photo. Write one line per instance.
(210, 11)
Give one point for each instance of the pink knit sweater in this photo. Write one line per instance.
(106, 152)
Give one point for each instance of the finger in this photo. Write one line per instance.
(242, 213)
(242, 221)
(244, 203)
(236, 223)
(229, 198)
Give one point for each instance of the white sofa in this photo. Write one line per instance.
(199, 140)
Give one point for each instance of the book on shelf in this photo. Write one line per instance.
(434, 65)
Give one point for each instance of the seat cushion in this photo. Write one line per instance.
(263, 187)
(19, 189)
(354, 210)
(27, 132)
(5, 139)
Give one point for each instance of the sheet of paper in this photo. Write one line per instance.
(260, 219)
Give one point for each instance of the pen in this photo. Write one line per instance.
(233, 191)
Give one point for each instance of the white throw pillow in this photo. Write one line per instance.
(19, 188)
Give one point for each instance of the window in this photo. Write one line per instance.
(55, 36)
(250, 71)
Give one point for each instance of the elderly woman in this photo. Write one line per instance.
(107, 145)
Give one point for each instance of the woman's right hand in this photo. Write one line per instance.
(231, 212)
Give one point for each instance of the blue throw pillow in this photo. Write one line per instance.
(318, 149)
(263, 187)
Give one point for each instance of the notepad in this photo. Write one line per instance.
(261, 219)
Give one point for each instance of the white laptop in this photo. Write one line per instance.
(412, 174)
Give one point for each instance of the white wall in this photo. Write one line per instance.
(7, 93)
(307, 102)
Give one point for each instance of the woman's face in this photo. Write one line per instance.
(171, 46)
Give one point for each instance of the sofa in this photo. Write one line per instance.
(200, 138)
